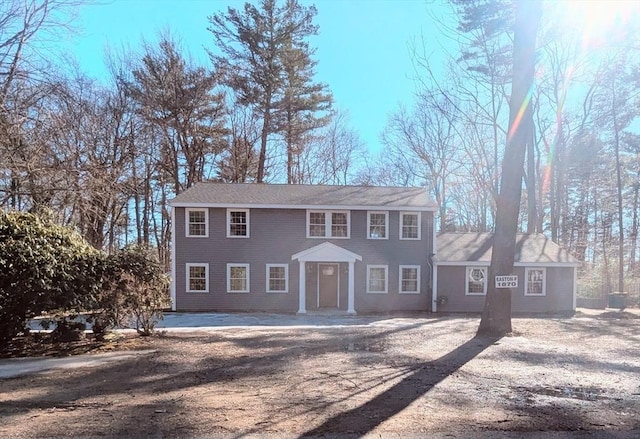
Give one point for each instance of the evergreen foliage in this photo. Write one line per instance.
(268, 64)
(48, 268)
(43, 267)
(181, 100)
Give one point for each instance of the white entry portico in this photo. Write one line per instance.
(326, 252)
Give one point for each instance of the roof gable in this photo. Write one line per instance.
(476, 248)
(303, 196)
(326, 252)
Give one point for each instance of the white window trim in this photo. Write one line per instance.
(286, 278)
(188, 265)
(544, 281)
(327, 224)
(186, 222)
(229, 235)
(417, 267)
(229, 266)
(402, 214)
(466, 280)
(386, 223)
(386, 279)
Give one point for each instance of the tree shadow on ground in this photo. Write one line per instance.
(561, 409)
(622, 328)
(250, 355)
(367, 417)
(618, 364)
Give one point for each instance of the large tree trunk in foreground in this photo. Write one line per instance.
(496, 316)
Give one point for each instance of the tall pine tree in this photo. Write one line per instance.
(303, 107)
(267, 62)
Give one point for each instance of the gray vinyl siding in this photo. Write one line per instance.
(451, 285)
(277, 234)
(558, 298)
(559, 294)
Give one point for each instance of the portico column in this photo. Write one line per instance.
(351, 295)
(302, 294)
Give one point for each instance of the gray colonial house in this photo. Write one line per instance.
(300, 248)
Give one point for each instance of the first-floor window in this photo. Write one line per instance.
(476, 281)
(277, 278)
(410, 279)
(376, 278)
(197, 278)
(237, 278)
(535, 285)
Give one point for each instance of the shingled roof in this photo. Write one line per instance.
(303, 196)
(456, 248)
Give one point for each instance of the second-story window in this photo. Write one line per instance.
(339, 225)
(410, 225)
(197, 222)
(378, 225)
(317, 224)
(328, 224)
(237, 223)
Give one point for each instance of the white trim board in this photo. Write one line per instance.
(304, 206)
(517, 264)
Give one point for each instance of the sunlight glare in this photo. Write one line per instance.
(601, 22)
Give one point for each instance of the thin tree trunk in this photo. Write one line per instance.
(634, 228)
(147, 204)
(616, 134)
(289, 146)
(266, 126)
(532, 211)
(553, 213)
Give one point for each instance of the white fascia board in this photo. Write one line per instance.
(303, 206)
(517, 264)
(462, 263)
(547, 264)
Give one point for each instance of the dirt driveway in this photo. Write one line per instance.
(400, 377)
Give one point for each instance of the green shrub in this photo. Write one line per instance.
(43, 267)
(135, 291)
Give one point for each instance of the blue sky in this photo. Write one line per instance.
(363, 46)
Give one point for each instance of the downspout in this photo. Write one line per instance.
(433, 267)
(173, 259)
(575, 287)
(434, 282)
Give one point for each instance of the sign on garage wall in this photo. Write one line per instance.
(510, 281)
